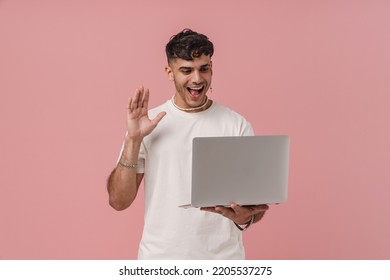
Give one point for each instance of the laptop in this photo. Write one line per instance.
(246, 170)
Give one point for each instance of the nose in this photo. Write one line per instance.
(196, 78)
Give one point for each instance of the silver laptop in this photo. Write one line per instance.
(247, 170)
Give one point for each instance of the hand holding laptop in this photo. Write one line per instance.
(239, 214)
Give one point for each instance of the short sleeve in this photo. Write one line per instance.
(247, 130)
(141, 159)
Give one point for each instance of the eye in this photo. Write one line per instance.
(204, 69)
(186, 71)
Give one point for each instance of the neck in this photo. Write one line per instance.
(201, 107)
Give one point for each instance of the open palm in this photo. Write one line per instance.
(138, 123)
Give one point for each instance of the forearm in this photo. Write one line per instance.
(123, 182)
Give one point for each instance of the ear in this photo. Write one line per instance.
(211, 67)
(169, 72)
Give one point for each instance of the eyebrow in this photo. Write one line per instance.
(186, 68)
(205, 65)
(190, 68)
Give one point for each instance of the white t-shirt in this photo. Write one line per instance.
(171, 232)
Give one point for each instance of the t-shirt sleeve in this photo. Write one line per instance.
(247, 130)
(141, 159)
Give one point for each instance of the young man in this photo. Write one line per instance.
(157, 146)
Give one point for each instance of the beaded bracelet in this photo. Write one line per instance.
(126, 165)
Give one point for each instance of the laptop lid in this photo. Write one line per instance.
(247, 170)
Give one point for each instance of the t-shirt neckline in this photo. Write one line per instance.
(176, 111)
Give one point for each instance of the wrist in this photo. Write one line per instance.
(247, 224)
(127, 165)
(130, 151)
(133, 139)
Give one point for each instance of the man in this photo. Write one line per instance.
(157, 146)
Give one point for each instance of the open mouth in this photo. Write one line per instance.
(195, 91)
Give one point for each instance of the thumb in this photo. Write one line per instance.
(158, 118)
(236, 208)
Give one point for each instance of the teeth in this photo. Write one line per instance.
(198, 88)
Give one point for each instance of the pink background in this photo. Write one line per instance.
(316, 70)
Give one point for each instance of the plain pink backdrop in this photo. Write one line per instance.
(316, 70)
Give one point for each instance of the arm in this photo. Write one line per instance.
(123, 183)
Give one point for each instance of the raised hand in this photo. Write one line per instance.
(138, 123)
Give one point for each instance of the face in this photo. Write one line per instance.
(192, 80)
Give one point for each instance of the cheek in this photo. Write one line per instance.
(180, 85)
(207, 76)
(183, 82)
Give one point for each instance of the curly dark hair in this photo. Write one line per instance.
(188, 45)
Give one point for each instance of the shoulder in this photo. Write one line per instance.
(233, 120)
(228, 115)
(154, 111)
(228, 112)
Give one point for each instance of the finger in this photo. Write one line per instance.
(261, 208)
(226, 212)
(158, 118)
(134, 100)
(249, 210)
(145, 100)
(141, 96)
(258, 209)
(129, 104)
(218, 210)
(238, 209)
(209, 209)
